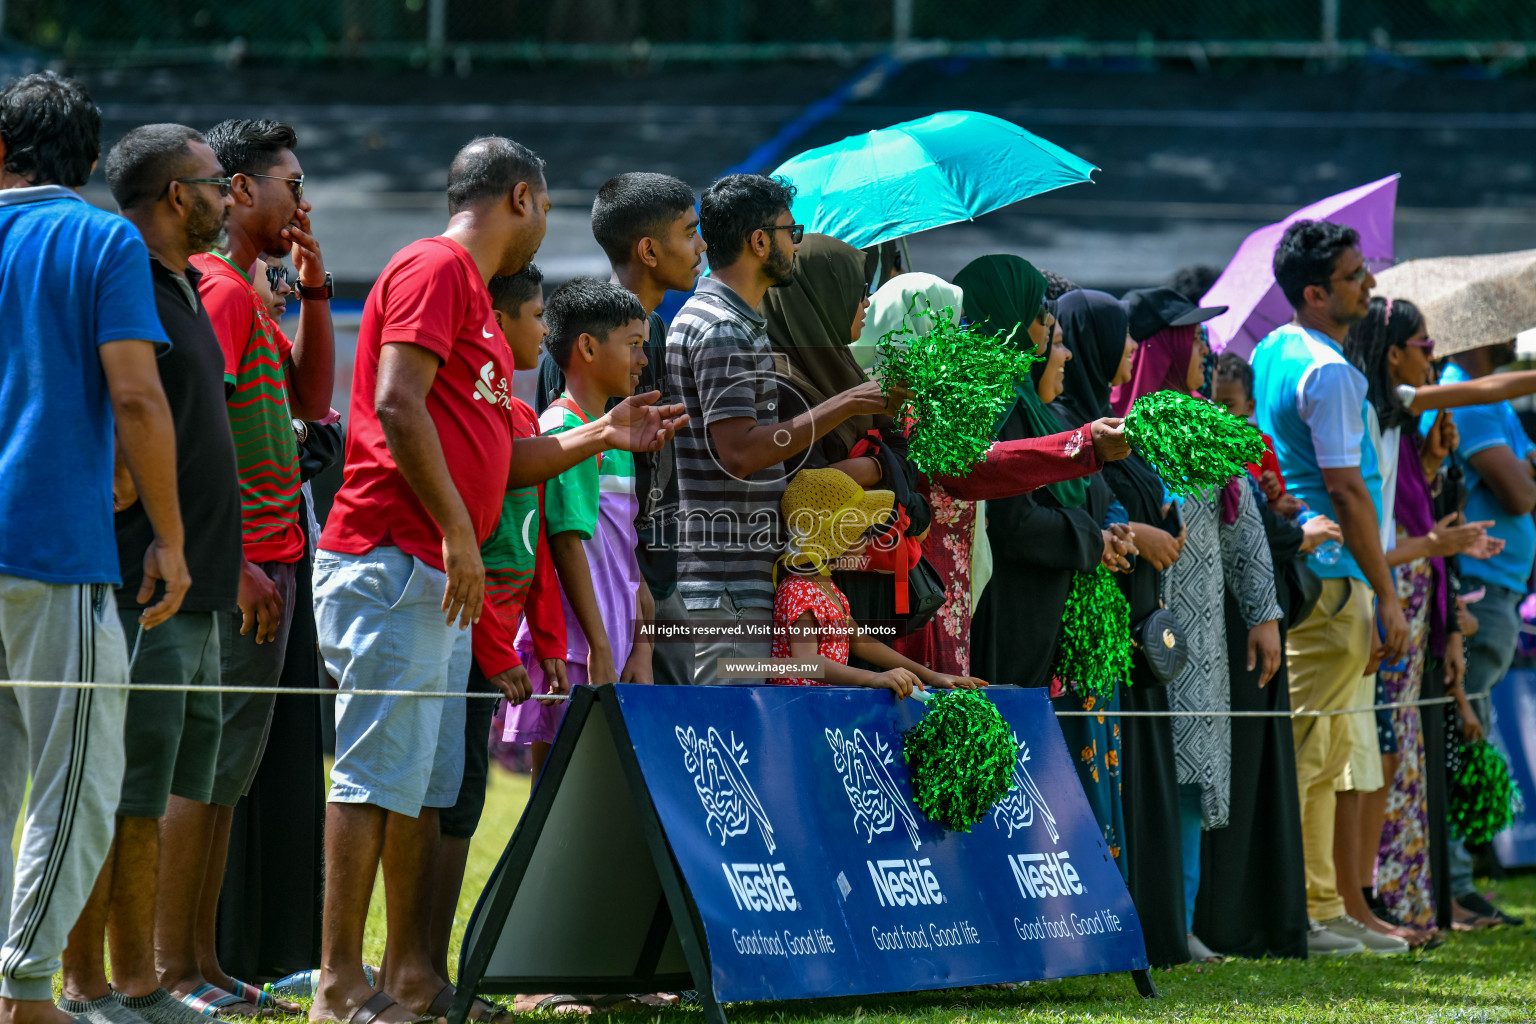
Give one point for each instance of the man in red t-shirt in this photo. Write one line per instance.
(430, 455)
(268, 381)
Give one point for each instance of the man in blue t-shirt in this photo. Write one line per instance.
(77, 366)
(1497, 458)
(1313, 403)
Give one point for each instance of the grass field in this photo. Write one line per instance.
(1475, 978)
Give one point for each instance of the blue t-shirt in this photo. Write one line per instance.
(1313, 403)
(72, 277)
(1482, 427)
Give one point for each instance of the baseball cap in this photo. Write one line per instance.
(1149, 310)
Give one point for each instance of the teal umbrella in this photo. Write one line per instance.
(947, 167)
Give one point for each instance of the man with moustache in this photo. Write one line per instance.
(399, 578)
(736, 455)
(168, 183)
(269, 381)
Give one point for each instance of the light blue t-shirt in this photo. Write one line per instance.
(1313, 403)
(1482, 427)
(72, 277)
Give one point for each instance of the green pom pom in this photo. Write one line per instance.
(1094, 652)
(961, 759)
(963, 381)
(1193, 444)
(1484, 796)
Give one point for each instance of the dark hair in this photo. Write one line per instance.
(1307, 254)
(633, 206)
(734, 207)
(585, 305)
(490, 167)
(509, 292)
(1388, 324)
(1056, 285)
(250, 147)
(140, 167)
(1234, 367)
(51, 129)
(1194, 281)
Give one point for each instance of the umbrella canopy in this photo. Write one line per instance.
(1468, 301)
(952, 166)
(1255, 304)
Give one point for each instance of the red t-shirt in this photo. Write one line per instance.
(1268, 461)
(430, 295)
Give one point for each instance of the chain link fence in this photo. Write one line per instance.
(141, 31)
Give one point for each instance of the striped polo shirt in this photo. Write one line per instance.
(721, 367)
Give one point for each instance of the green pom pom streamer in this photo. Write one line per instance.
(962, 380)
(1094, 652)
(1484, 796)
(961, 759)
(1193, 444)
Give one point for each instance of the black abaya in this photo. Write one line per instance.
(1037, 546)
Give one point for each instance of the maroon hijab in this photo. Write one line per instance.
(1160, 364)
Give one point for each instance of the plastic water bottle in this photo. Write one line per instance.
(1329, 550)
(301, 984)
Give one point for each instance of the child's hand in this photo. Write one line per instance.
(637, 668)
(600, 667)
(899, 681)
(1287, 506)
(945, 681)
(554, 675)
(514, 684)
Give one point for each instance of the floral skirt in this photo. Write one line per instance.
(1402, 863)
(944, 644)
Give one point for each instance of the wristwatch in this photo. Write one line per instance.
(323, 292)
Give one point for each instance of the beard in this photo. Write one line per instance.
(205, 225)
(779, 266)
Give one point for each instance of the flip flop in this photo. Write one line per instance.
(260, 998)
(209, 1000)
(375, 1006)
(560, 1003)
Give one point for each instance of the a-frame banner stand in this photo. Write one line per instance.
(760, 843)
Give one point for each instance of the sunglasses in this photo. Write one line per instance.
(277, 275)
(223, 183)
(796, 231)
(1356, 277)
(1428, 345)
(296, 185)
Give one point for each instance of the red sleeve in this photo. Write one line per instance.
(229, 306)
(424, 302)
(1015, 467)
(493, 640)
(1271, 461)
(545, 612)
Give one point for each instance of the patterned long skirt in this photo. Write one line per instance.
(1094, 743)
(1402, 864)
(944, 644)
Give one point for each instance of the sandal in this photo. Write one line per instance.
(262, 999)
(562, 1003)
(210, 1001)
(481, 1011)
(375, 1006)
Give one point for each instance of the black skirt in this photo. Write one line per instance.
(1150, 795)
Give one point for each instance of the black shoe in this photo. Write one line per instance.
(1378, 906)
(1482, 908)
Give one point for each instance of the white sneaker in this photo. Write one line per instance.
(1346, 927)
(1199, 952)
(1322, 942)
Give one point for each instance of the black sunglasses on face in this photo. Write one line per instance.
(796, 231)
(296, 185)
(223, 183)
(277, 275)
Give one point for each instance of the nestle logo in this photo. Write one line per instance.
(905, 883)
(1045, 874)
(760, 887)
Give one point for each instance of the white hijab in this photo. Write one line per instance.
(889, 305)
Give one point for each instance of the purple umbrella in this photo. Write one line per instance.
(1247, 287)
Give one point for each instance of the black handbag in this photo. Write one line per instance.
(925, 596)
(1159, 639)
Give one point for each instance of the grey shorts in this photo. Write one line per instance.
(171, 739)
(248, 716)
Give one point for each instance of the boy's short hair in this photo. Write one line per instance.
(52, 130)
(586, 305)
(734, 207)
(250, 147)
(633, 206)
(1194, 281)
(510, 292)
(1232, 366)
(1307, 254)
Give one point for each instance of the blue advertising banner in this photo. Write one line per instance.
(1514, 733)
(790, 817)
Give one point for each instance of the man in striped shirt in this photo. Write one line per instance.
(736, 454)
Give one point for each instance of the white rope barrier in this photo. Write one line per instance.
(32, 684)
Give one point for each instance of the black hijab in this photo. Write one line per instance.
(1092, 325)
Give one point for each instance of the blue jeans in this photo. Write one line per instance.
(380, 621)
(1489, 653)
